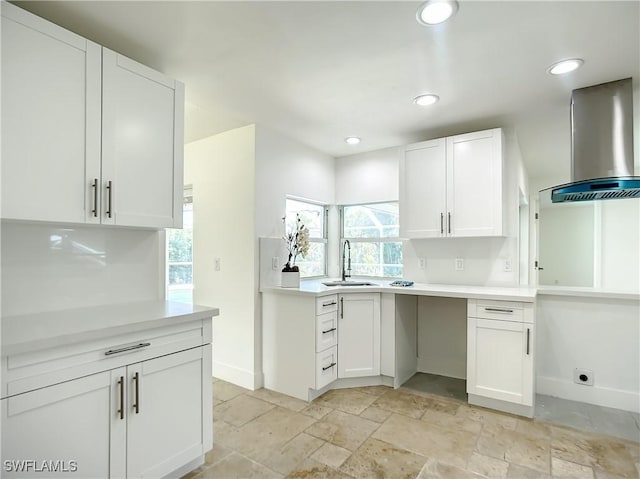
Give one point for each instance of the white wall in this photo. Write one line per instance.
(52, 267)
(221, 170)
(602, 335)
(368, 177)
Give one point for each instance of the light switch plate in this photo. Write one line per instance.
(275, 263)
(422, 263)
(508, 267)
(217, 264)
(459, 264)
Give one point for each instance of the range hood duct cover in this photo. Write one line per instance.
(601, 145)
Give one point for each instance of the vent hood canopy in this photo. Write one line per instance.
(601, 145)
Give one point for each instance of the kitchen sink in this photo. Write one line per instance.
(349, 283)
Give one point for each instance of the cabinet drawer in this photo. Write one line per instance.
(499, 310)
(326, 367)
(327, 304)
(326, 331)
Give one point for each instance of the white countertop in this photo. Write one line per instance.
(316, 288)
(57, 328)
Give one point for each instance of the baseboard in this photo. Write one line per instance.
(607, 397)
(352, 383)
(518, 409)
(238, 376)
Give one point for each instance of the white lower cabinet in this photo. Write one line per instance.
(141, 420)
(359, 335)
(500, 351)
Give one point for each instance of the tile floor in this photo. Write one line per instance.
(379, 432)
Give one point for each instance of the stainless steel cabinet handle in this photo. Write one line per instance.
(94, 185)
(136, 380)
(328, 330)
(109, 189)
(324, 305)
(449, 222)
(121, 386)
(441, 223)
(499, 310)
(528, 336)
(341, 308)
(126, 348)
(329, 367)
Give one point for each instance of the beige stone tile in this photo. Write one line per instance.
(376, 414)
(570, 470)
(316, 410)
(223, 391)
(278, 399)
(489, 419)
(607, 456)
(331, 455)
(443, 405)
(218, 452)
(241, 409)
(346, 400)
(374, 390)
(286, 458)
(236, 465)
(310, 469)
(342, 429)
(380, 459)
(519, 472)
(271, 430)
(403, 402)
(449, 446)
(437, 470)
(528, 451)
(533, 428)
(488, 466)
(451, 421)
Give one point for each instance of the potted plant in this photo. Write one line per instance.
(297, 244)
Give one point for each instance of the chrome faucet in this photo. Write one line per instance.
(346, 245)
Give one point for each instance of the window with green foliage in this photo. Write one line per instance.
(314, 217)
(373, 231)
(180, 256)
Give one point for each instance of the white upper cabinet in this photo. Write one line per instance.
(89, 136)
(453, 187)
(142, 144)
(50, 118)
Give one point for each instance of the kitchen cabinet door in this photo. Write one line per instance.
(500, 360)
(66, 426)
(474, 184)
(359, 335)
(165, 425)
(142, 145)
(423, 190)
(51, 90)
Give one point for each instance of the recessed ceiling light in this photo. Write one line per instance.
(565, 66)
(426, 100)
(433, 12)
(352, 140)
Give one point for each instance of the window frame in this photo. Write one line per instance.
(325, 227)
(352, 240)
(187, 193)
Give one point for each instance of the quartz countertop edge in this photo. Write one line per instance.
(30, 332)
(502, 293)
(587, 293)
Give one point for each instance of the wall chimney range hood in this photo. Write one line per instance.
(601, 145)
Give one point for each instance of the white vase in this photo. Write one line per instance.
(290, 279)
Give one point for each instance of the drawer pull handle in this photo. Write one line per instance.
(94, 185)
(126, 348)
(121, 387)
(499, 310)
(109, 190)
(328, 330)
(332, 303)
(528, 336)
(329, 367)
(441, 223)
(341, 308)
(136, 379)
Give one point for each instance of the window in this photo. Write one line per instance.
(373, 231)
(314, 217)
(180, 255)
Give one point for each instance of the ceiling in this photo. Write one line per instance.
(321, 71)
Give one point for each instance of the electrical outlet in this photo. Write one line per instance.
(422, 262)
(459, 264)
(275, 263)
(217, 264)
(508, 266)
(583, 376)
